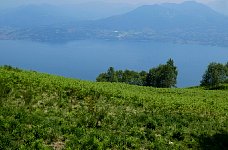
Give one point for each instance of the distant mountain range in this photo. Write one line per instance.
(166, 17)
(42, 15)
(188, 22)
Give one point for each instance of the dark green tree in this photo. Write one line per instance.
(143, 75)
(131, 77)
(119, 75)
(164, 76)
(226, 72)
(111, 75)
(171, 74)
(151, 79)
(102, 77)
(215, 74)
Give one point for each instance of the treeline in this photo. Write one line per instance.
(215, 75)
(163, 76)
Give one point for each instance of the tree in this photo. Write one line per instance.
(127, 76)
(143, 75)
(172, 73)
(131, 77)
(102, 77)
(164, 76)
(119, 75)
(151, 79)
(111, 75)
(215, 74)
(226, 72)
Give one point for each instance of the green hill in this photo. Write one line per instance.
(41, 111)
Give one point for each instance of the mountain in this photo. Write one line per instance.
(188, 22)
(41, 15)
(32, 16)
(166, 17)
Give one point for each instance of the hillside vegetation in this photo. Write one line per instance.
(41, 111)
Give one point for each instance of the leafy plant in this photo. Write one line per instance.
(41, 111)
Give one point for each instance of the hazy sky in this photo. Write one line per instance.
(18, 2)
(221, 5)
(7, 3)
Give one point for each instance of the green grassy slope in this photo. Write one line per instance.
(41, 111)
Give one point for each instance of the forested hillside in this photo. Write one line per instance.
(41, 111)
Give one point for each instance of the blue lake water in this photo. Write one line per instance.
(87, 58)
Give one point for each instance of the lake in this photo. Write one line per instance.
(85, 59)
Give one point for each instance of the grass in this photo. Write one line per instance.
(41, 111)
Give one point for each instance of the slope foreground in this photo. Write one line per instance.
(41, 111)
